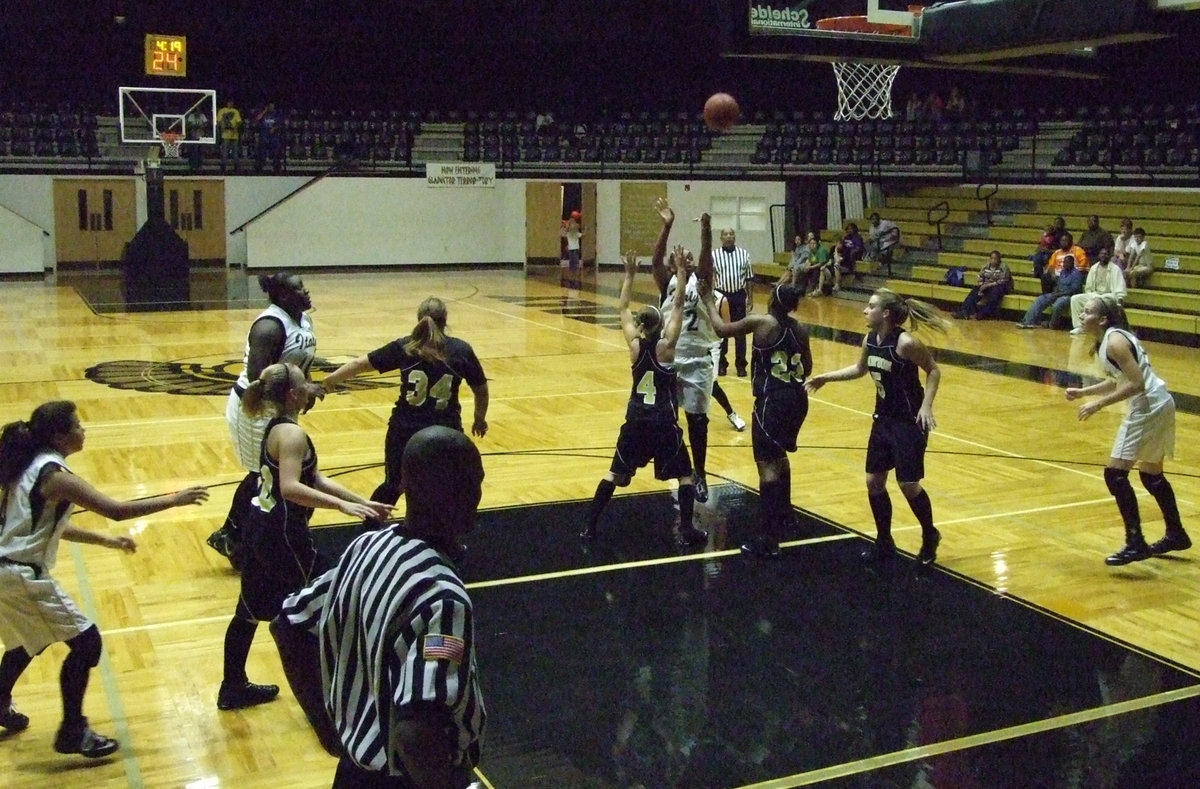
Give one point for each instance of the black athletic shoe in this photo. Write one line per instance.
(1171, 542)
(928, 553)
(225, 542)
(880, 551)
(588, 533)
(236, 697)
(82, 740)
(11, 720)
(742, 372)
(1130, 553)
(701, 484)
(690, 537)
(761, 547)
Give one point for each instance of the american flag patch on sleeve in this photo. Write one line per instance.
(440, 647)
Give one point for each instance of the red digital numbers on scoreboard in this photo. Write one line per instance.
(166, 56)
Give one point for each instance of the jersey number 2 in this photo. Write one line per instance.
(786, 369)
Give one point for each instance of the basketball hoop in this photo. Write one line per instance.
(171, 144)
(864, 89)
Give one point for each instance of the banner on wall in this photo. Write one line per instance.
(640, 223)
(468, 174)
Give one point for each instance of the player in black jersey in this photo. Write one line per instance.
(651, 430)
(278, 552)
(432, 367)
(903, 413)
(781, 360)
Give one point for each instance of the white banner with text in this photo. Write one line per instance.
(478, 174)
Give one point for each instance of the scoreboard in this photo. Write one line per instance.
(166, 56)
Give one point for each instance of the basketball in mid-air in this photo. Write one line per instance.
(721, 112)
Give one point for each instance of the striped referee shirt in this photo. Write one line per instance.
(731, 269)
(395, 628)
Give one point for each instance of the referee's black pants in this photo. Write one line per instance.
(737, 311)
(350, 776)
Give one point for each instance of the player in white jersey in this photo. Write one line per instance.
(695, 363)
(38, 494)
(1146, 435)
(283, 332)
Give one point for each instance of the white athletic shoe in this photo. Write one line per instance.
(738, 423)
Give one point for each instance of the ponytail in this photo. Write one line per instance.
(902, 309)
(269, 391)
(21, 441)
(428, 337)
(649, 320)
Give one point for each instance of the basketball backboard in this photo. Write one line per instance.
(869, 20)
(145, 114)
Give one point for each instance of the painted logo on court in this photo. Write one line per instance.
(198, 378)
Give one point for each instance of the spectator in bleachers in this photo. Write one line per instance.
(270, 138)
(1096, 238)
(1104, 280)
(934, 107)
(995, 280)
(956, 106)
(882, 237)
(846, 254)
(229, 126)
(1121, 242)
(1060, 227)
(1046, 247)
(912, 110)
(805, 269)
(1058, 300)
(1067, 248)
(197, 125)
(1139, 264)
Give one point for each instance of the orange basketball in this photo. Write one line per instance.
(721, 112)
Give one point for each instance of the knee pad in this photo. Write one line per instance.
(697, 420)
(85, 647)
(1116, 479)
(622, 480)
(1151, 482)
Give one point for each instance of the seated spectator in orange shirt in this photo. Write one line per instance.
(1066, 247)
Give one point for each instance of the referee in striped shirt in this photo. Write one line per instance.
(731, 269)
(380, 650)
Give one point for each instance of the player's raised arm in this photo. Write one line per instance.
(674, 319)
(658, 266)
(627, 325)
(704, 266)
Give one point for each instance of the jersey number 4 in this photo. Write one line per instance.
(418, 390)
(646, 388)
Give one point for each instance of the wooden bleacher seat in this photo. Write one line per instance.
(1170, 300)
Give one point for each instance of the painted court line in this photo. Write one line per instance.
(976, 740)
(691, 557)
(108, 677)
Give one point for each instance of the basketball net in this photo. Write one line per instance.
(864, 89)
(171, 145)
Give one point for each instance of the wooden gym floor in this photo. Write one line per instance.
(1023, 661)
